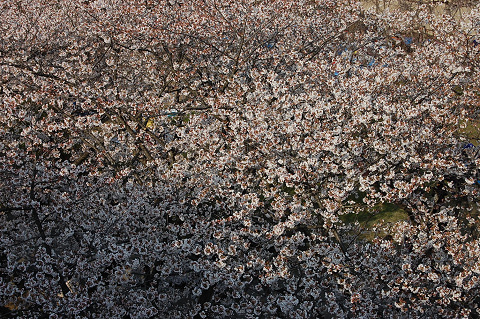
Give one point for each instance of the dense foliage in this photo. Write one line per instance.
(198, 159)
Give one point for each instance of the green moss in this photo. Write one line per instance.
(457, 89)
(390, 213)
(383, 213)
(470, 129)
(357, 197)
(289, 190)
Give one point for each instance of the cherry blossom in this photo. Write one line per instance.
(199, 159)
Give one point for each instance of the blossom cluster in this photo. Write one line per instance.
(187, 159)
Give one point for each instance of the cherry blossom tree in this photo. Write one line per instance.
(197, 159)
